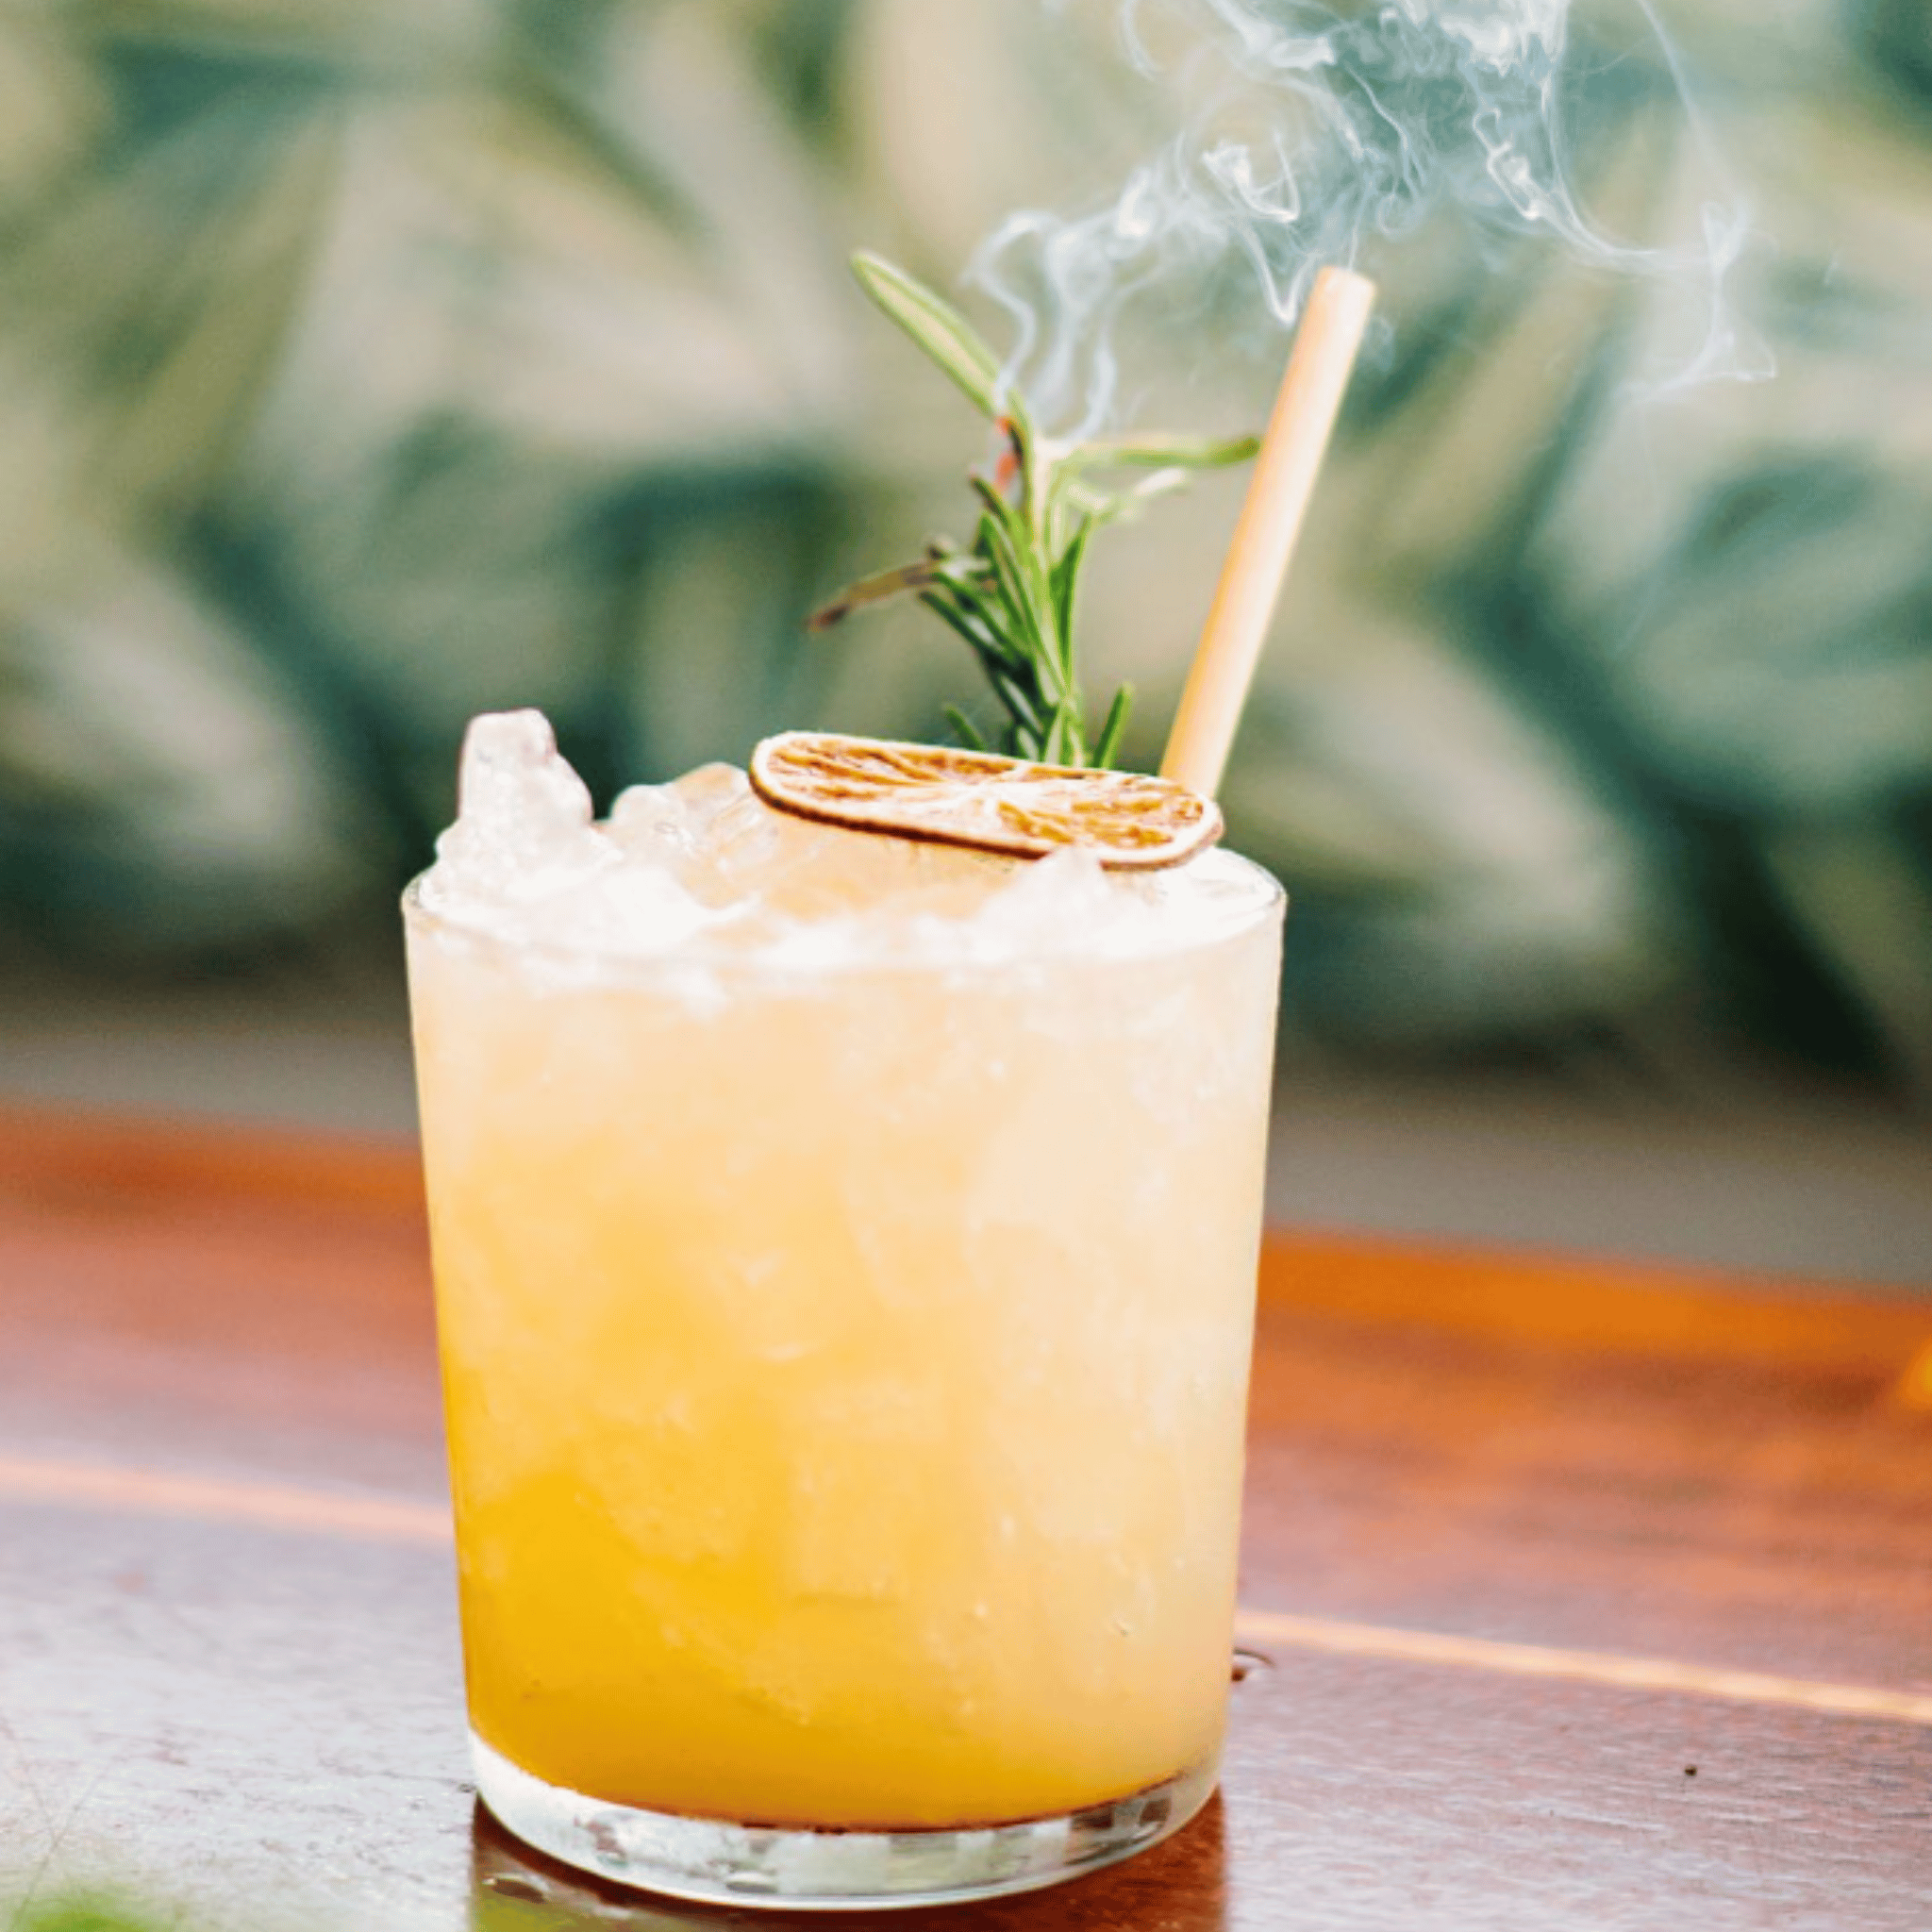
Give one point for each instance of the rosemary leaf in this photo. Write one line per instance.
(937, 328)
(992, 647)
(1061, 745)
(872, 590)
(1010, 535)
(968, 733)
(1160, 452)
(1106, 746)
(1028, 609)
(1066, 573)
(1019, 699)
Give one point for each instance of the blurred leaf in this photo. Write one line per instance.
(90, 1912)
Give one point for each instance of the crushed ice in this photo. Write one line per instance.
(527, 861)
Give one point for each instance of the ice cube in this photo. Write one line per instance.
(648, 822)
(523, 827)
(752, 851)
(670, 823)
(705, 790)
(514, 778)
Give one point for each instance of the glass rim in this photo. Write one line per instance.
(587, 967)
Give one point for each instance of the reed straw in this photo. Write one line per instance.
(1270, 520)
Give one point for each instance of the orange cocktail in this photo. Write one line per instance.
(845, 1259)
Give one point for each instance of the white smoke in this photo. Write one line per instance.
(1315, 129)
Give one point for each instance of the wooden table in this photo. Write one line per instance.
(1584, 1597)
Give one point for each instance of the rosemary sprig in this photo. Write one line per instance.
(1011, 594)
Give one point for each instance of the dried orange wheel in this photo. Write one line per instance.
(979, 799)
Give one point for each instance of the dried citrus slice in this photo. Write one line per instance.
(982, 800)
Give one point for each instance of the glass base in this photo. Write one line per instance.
(716, 1863)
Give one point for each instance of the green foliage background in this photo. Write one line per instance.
(363, 366)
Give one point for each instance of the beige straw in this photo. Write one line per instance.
(1284, 479)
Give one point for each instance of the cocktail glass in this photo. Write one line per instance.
(845, 1322)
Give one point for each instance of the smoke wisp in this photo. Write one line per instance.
(1314, 131)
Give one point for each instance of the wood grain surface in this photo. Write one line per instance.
(1585, 1597)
